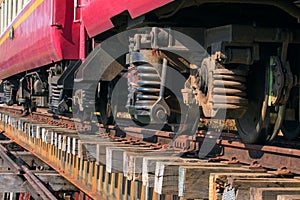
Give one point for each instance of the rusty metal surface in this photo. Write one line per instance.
(42, 115)
(82, 170)
(272, 157)
(53, 165)
(267, 156)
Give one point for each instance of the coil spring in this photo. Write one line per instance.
(8, 93)
(56, 93)
(229, 90)
(148, 86)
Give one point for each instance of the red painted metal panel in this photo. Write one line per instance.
(48, 34)
(97, 13)
(66, 33)
(36, 43)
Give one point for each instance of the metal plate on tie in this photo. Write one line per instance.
(228, 194)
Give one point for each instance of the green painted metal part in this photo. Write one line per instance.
(270, 95)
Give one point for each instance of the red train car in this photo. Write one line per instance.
(251, 74)
(35, 34)
(43, 32)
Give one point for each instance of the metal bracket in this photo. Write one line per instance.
(283, 172)
(286, 85)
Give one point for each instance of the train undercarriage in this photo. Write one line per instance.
(247, 69)
(251, 83)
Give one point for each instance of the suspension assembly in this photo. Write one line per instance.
(9, 90)
(61, 80)
(146, 84)
(33, 91)
(218, 88)
(147, 92)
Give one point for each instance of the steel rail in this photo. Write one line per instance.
(3, 154)
(37, 185)
(41, 191)
(272, 157)
(85, 177)
(269, 156)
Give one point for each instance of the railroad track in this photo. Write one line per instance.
(24, 176)
(121, 165)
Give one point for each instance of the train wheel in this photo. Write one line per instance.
(254, 127)
(141, 120)
(290, 129)
(106, 116)
(103, 105)
(263, 119)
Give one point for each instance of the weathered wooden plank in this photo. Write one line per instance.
(6, 141)
(125, 190)
(127, 160)
(288, 197)
(118, 185)
(115, 156)
(88, 146)
(271, 193)
(217, 181)
(149, 165)
(55, 181)
(11, 183)
(101, 150)
(135, 166)
(243, 185)
(100, 180)
(112, 184)
(106, 183)
(191, 177)
(167, 173)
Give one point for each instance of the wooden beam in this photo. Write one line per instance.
(194, 180)
(149, 165)
(129, 162)
(6, 141)
(115, 158)
(243, 185)
(271, 193)
(55, 181)
(135, 165)
(288, 197)
(101, 150)
(218, 181)
(167, 173)
(11, 182)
